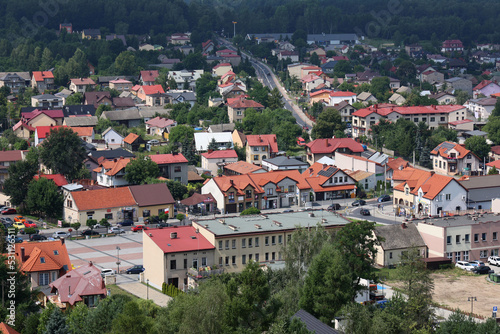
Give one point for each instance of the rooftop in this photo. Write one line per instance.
(178, 239)
(461, 220)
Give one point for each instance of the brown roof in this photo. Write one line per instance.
(103, 198)
(242, 167)
(11, 155)
(199, 198)
(152, 194)
(6, 329)
(193, 177)
(131, 138)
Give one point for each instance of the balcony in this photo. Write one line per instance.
(204, 272)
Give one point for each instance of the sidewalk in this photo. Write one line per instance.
(142, 291)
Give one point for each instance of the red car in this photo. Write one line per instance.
(139, 228)
(9, 211)
(29, 223)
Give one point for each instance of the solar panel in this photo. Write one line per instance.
(328, 172)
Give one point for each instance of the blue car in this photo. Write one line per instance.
(137, 269)
(384, 198)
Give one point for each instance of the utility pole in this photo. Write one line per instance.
(472, 300)
(234, 29)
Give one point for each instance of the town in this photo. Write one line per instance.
(235, 181)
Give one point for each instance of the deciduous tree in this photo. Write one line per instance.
(44, 198)
(20, 175)
(141, 168)
(478, 146)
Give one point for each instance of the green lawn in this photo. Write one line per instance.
(116, 290)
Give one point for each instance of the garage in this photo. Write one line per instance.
(231, 208)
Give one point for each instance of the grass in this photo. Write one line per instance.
(386, 274)
(116, 290)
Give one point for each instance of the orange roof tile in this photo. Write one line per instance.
(263, 140)
(40, 76)
(83, 131)
(43, 256)
(242, 167)
(82, 81)
(103, 198)
(444, 150)
(112, 167)
(6, 329)
(153, 89)
(330, 145)
(131, 138)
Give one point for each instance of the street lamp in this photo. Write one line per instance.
(147, 289)
(472, 300)
(234, 29)
(118, 262)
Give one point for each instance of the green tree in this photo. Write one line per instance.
(125, 64)
(460, 323)
(177, 189)
(314, 59)
(478, 146)
(493, 171)
(44, 198)
(132, 320)
(496, 111)
(327, 123)
(90, 223)
(47, 60)
(57, 323)
(379, 87)
(63, 152)
(341, 68)
(492, 127)
(180, 133)
(213, 145)
(461, 96)
(100, 109)
(74, 99)
(275, 100)
(139, 169)
(20, 175)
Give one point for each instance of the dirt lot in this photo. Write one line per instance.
(452, 289)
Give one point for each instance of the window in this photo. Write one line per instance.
(280, 239)
(448, 197)
(248, 194)
(42, 259)
(483, 237)
(173, 264)
(243, 259)
(467, 238)
(440, 164)
(335, 179)
(203, 261)
(424, 119)
(243, 243)
(238, 113)
(442, 119)
(227, 244)
(273, 256)
(250, 257)
(256, 157)
(177, 169)
(457, 256)
(186, 263)
(466, 255)
(449, 256)
(494, 235)
(43, 278)
(457, 239)
(233, 243)
(220, 244)
(433, 119)
(469, 156)
(476, 237)
(269, 191)
(448, 240)
(257, 242)
(230, 196)
(256, 149)
(227, 260)
(416, 120)
(69, 203)
(289, 237)
(390, 255)
(108, 216)
(267, 241)
(220, 261)
(249, 242)
(256, 257)
(267, 256)
(233, 260)
(483, 254)
(291, 188)
(273, 240)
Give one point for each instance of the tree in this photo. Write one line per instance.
(478, 146)
(20, 175)
(132, 320)
(47, 60)
(328, 122)
(139, 169)
(74, 99)
(100, 109)
(57, 323)
(44, 198)
(180, 133)
(496, 111)
(177, 189)
(125, 63)
(90, 223)
(493, 171)
(460, 323)
(492, 127)
(380, 86)
(275, 100)
(213, 145)
(63, 152)
(314, 59)
(461, 96)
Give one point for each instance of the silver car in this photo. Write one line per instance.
(60, 234)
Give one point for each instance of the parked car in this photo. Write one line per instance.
(139, 228)
(126, 222)
(60, 234)
(162, 225)
(6, 220)
(19, 219)
(494, 260)
(29, 223)
(384, 198)
(333, 207)
(137, 269)
(7, 224)
(154, 142)
(107, 272)
(287, 210)
(358, 202)
(116, 230)
(364, 212)
(477, 263)
(17, 239)
(18, 225)
(464, 265)
(90, 232)
(9, 211)
(37, 237)
(481, 270)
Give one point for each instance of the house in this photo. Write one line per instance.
(337, 97)
(481, 190)
(329, 66)
(170, 254)
(345, 109)
(153, 199)
(260, 147)
(395, 240)
(203, 139)
(8, 158)
(131, 117)
(112, 138)
(132, 142)
(481, 108)
(79, 110)
(432, 77)
(114, 204)
(158, 126)
(83, 284)
(239, 138)
(175, 96)
(229, 56)
(319, 148)
(394, 83)
(172, 166)
(121, 103)
(366, 98)
(15, 80)
(332, 39)
(91, 34)
(179, 38)
(327, 182)
(66, 26)
(397, 99)
(311, 82)
(151, 90)
(120, 85)
(200, 204)
(105, 81)
(311, 69)
(451, 159)
(284, 163)
(221, 69)
(288, 55)
(42, 132)
(295, 69)
(240, 168)
(462, 125)
(43, 262)
(96, 157)
(42, 81)
(365, 180)
(97, 98)
(443, 98)
(185, 79)
(81, 85)
(227, 127)
(460, 84)
(485, 88)
(427, 193)
(23, 130)
(413, 48)
(454, 45)
(111, 173)
(46, 101)
(215, 160)
(353, 163)
(207, 47)
(319, 96)
(495, 152)
(86, 134)
(461, 238)
(40, 117)
(148, 78)
(236, 109)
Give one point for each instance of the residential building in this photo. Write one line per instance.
(327, 183)
(131, 117)
(321, 96)
(120, 103)
(215, 160)
(365, 180)
(311, 82)
(199, 204)
(461, 126)
(453, 45)
(91, 34)
(43, 262)
(82, 285)
(359, 163)
(433, 116)
(97, 98)
(460, 84)
(451, 159)
(112, 138)
(185, 79)
(261, 147)
(291, 55)
(337, 97)
(151, 90)
(236, 109)
(397, 99)
(15, 80)
(495, 152)
(307, 70)
(284, 163)
(40, 117)
(481, 108)
(207, 46)
(296, 69)
(366, 98)
(159, 126)
(47, 101)
(172, 166)
(229, 56)
(313, 324)
(444, 98)
(224, 140)
(79, 110)
(96, 157)
(42, 81)
(486, 88)
(58, 179)
(345, 109)
(432, 77)
(152, 199)
(326, 147)
(241, 167)
(132, 142)
(175, 96)
(481, 190)
(85, 133)
(227, 127)
(179, 38)
(81, 85)
(395, 240)
(7, 159)
(148, 78)
(221, 69)
(42, 132)
(120, 85)
(111, 173)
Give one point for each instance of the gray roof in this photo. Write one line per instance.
(188, 96)
(286, 161)
(81, 121)
(271, 223)
(274, 36)
(461, 220)
(331, 37)
(379, 157)
(46, 97)
(397, 237)
(221, 127)
(122, 115)
(25, 75)
(486, 181)
(313, 324)
(476, 133)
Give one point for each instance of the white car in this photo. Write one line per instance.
(464, 265)
(494, 260)
(107, 272)
(116, 230)
(60, 234)
(477, 263)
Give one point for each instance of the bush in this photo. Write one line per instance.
(250, 211)
(75, 226)
(30, 230)
(170, 290)
(104, 222)
(180, 216)
(65, 224)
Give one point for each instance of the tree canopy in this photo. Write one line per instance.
(141, 168)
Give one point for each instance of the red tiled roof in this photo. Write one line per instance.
(495, 163)
(28, 116)
(44, 131)
(6, 329)
(40, 76)
(411, 110)
(153, 89)
(263, 140)
(58, 179)
(149, 76)
(23, 124)
(462, 121)
(162, 159)
(131, 138)
(494, 149)
(54, 254)
(219, 154)
(186, 239)
(197, 198)
(8, 156)
(330, 145)
(112, 167)
(342, 94)
(443, 151)
(244, 103)
(396, 163)
(83, 131)
(82, 81)
(242, 167)
(160, 122)
(221, 65)
(103, 198)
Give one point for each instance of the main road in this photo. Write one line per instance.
(267, 77)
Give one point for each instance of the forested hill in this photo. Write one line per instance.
(471, 21)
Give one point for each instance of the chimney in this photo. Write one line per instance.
(62, 241)
(403, 225)
(173, 235)
(22, 254)
(114, 160)
(326, 142)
